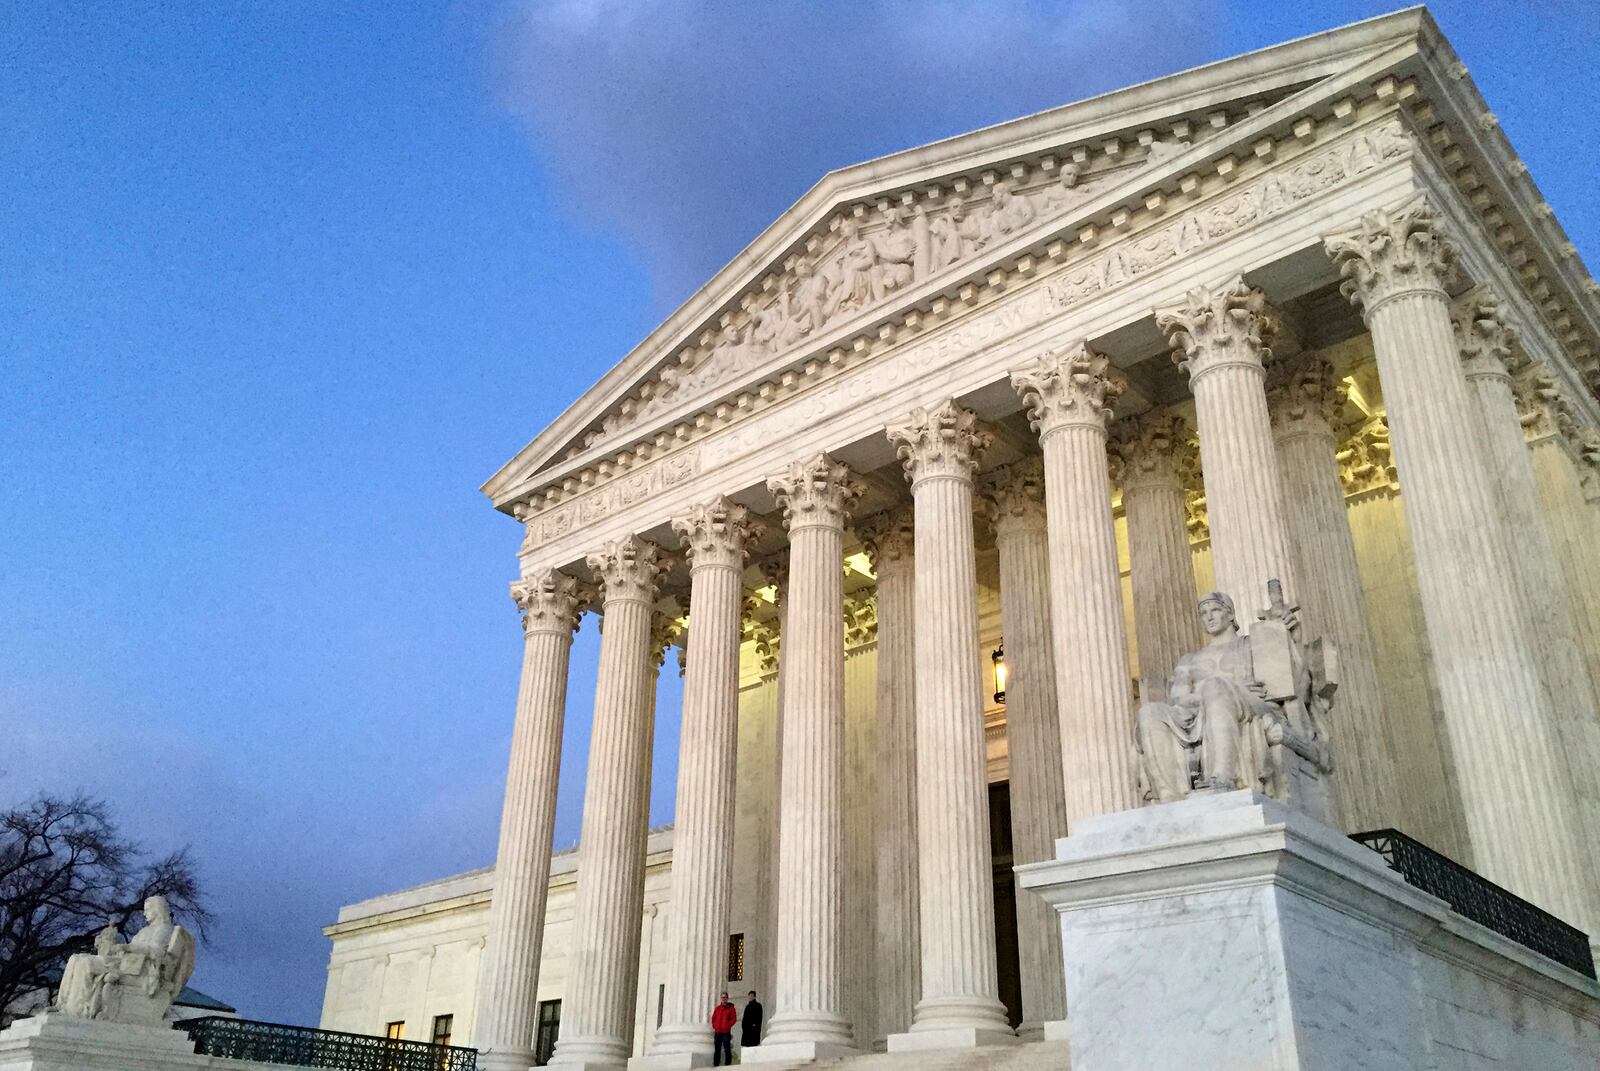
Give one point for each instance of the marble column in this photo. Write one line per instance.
(861, 797)
(1485, 344)
(775, 569)
(1524, 829)
(597, 1011)
(1429, 791)
(960, 1002)
(809, 1022)
(1219, 336)
(1557, 451)
(890, 545)
(551, 603)
(1069, 395)
(1152, 449)
(716, 536)
(1305, 400)
(1015, 503)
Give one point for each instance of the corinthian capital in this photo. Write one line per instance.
(667, 629)
(1543, 403)
(1482, 335)
(815, 493)
(1013, 496)
(718, 533)
(1306, 397)
(860, 618)
(1589, 464)
(944, 441)
(888, 537)
(1153, 450)
(1228, 326)
(1392, 251)
(629, 569)
(1366, 461)
(550, 601)
(1072, 387)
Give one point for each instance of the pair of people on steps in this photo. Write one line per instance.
(723, 1018)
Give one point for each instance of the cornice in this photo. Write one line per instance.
(1105, 124)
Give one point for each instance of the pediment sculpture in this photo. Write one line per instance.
(135, 982)
(1244, 712)
(876, 255)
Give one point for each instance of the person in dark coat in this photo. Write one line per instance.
(723, 1016)
(750, 1032)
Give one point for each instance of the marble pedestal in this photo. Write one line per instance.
(56, 1042)
(1233, 933)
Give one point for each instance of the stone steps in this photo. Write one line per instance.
(1028, 1056)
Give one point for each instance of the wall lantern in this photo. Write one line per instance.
(999, 660)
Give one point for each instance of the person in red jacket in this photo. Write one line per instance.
(723, 1016)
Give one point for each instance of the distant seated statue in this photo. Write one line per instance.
(134, 982)
(1243, 712)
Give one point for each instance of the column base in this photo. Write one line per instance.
(505, 1060)
(951, 1037)
(796, 1052)
(670, 1061)
(590, 1054)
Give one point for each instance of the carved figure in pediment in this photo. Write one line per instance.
(1158, 152)
(803, 303)
(1243, 712)
(1063, 193)
(867, 267)
(946, 238)
(1005, 214)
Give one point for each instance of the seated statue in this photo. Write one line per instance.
(134, 982)
(1243, 712)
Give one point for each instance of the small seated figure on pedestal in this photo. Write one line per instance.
(1243, 712)
(134, 982)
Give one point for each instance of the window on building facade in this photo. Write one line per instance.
(441, 1028)
(736, 957)
(544, 1038)
(395, 1031)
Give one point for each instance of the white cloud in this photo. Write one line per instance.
(685, 126)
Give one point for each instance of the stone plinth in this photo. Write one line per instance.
(56, 1042)
(1231, 932)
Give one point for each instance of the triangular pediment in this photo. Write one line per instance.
(869, 240)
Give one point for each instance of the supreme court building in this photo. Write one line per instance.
(922, 488)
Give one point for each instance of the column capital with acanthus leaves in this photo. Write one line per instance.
(942, 442)
(629, 569)
(817, 493)
(1070, 387)
(1306, 396)
(1392, 252)
(1219, 327)
(1483, 336)
(718, 534)
(551, 601)
(889, 538)
(1013, 496)
(1154, 449)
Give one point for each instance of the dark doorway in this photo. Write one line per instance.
(1005, 902)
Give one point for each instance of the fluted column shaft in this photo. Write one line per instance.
(1160, 563)
(1497, 712)
(1033, 729)
(960, 1001)
(714, 536)
(597, 1020)
(1220, 338)
(1545, 604)
(551, 604)
(890, 545)
(810, 1021)
(1303, 405)
(1069, 397)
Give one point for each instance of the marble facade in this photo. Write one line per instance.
(1040, 386)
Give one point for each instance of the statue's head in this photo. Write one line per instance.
(849, 228)
(1069, 174)
(1217, 614)
(156, 909)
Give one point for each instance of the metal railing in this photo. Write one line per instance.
(275, 1043)
(1473, 896)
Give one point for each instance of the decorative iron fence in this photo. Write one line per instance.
(1475, 897)
(275, 1043)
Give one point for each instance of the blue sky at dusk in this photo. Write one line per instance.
(281, 284)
